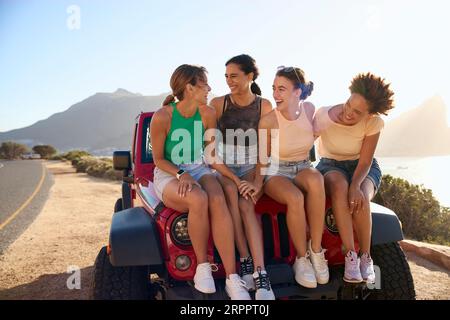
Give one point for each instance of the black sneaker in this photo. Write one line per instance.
(246, 273)
(262, 283)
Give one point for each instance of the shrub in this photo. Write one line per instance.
(421, 215)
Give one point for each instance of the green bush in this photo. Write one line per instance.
(84, 163)
(421, 215)
(75, 154)
(57, 157)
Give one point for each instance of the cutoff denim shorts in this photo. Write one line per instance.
(287, 169)
(348, 167)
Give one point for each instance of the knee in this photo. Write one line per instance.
(246, 207)
(198, 203)
(230, 190)
(216, 199)
(337, 186)
(294, 199)
(315, 181)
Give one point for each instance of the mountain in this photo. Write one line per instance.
(420, 132)
(99, 124)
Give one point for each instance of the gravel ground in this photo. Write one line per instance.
(73, 226)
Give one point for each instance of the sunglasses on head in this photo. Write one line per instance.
(289, 69)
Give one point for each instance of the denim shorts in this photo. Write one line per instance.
(288, 169)
(348, 167)
(241, 170)
(162, 178)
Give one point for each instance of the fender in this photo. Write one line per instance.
(386, 226)
(134, 239)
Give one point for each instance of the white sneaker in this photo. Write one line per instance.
(352, 273)
(263, 289)
(235, 288)
(366, 267)
(304, 272)
(203, 279)
(320, 265)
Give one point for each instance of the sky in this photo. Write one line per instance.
(55, 53)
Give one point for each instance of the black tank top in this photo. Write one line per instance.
(236, 117)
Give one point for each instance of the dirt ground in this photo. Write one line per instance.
(74, 225)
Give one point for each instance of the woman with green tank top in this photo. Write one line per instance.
(185, 183)
(238, 115)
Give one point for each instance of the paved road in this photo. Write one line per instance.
(24, 186)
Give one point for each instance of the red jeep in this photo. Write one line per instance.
(149, 255)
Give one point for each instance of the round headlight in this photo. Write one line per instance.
(330, 222)
(179, 230)
(182, 262)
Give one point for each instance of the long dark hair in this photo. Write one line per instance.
(184, 74)
(247, 64)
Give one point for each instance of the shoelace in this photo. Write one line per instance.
(212, 266)
(353, 263)
(238, 283)
(262, 282)
(247, 266)
(322, 263)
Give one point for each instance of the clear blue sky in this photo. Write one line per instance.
(45, 67)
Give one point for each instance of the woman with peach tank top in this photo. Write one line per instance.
(290, 178)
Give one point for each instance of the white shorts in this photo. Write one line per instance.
(162, 178)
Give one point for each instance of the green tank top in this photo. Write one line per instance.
(184, 142)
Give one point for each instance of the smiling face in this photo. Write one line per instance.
(355, 109)
(236, 79)
(201, 90)
(284, 92)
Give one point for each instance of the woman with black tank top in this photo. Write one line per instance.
(238, 115)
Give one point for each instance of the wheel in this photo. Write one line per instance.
(118, 205)
(396, 279)
(119, 283)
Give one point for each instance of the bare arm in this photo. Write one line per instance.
(158, 132)
(365, 161)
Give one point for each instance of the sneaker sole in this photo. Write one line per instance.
(205, 291)
(352, 280)
(309, 285)
(323, 281)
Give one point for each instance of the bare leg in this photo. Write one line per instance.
(363, 219)
(285, 192)
(310, 181)
(337, 187)
(221, 222)
(232, 196)
(196, 203)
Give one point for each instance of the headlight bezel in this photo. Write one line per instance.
(179, 231)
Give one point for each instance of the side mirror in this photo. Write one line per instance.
(122, 160)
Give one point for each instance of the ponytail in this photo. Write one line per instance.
(255, 88)
(169, 99)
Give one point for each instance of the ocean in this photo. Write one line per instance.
(432, 172)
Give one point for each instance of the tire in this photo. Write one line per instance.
(118, 205)
(396, 279)
(119, 283)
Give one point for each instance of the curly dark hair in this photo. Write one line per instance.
(377, 93)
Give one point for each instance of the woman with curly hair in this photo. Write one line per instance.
(348, 136)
